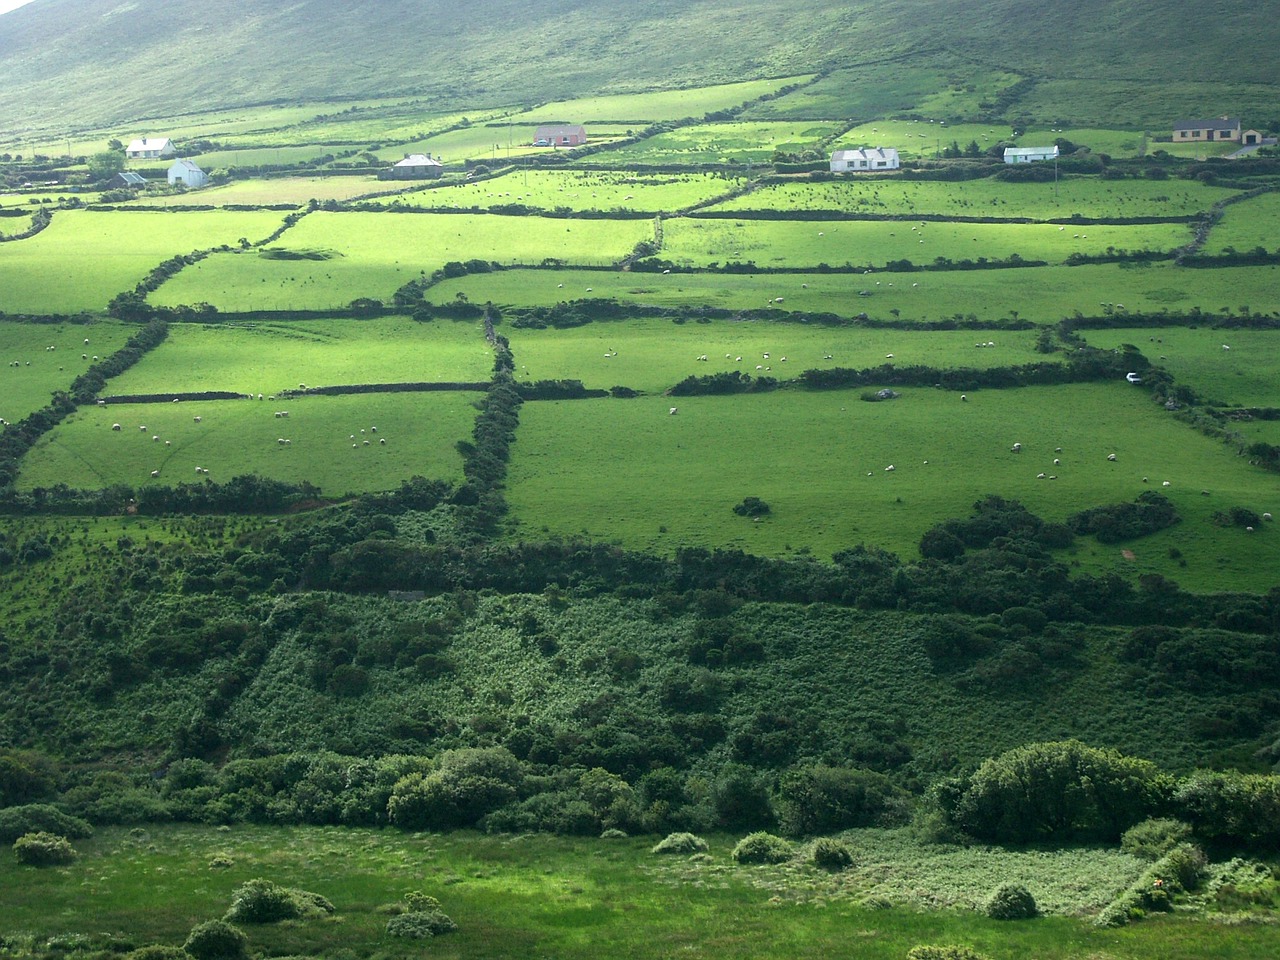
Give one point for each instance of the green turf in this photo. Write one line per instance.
(1041, 294)
(595, 468)
(266, 358)
(40, 371)
(918, 139)
(652, 355)
(858, 92)
(295, 190)
(805, 244)
(660, 105)
(373, 255)
(1247, 225)
(237, 437)
(737, 142)
(1088, 197)
(84, 258)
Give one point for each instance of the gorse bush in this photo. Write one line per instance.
(158, 951)
(832, 854)
(40, 817)
(43, 850)
(945, 952)
(1010, 901)
(217, 940)
(680, 843)
(261, 901)
(762, 847)
(1152, 839)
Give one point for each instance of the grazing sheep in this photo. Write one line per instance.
(888, 356)
(1266, 516)
(1040, 476)
(1225, 347)
(1056, 462)
(964, 398)
(1248, 529)
(196, 419)
(889, 469)
(1111, 457)
(373, 429)
(382, 440)
(365, 442)
(155, 473)
(1016, 448)
(102, 403)
(673, 411)
(143, 428)
(280, 440)
(1165, 484)
(86, 340)
(116, 427)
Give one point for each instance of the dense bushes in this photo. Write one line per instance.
(217, 940)
(40, 818)
(1149, 513)
(43, 850)
(831, 854)
(762, 848)
(814, 800)
(465, 785)
(1010, 901)
(680, 842)
(261, 901)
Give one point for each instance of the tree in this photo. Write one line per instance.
(105, 165)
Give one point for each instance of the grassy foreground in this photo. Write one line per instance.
(534, 895)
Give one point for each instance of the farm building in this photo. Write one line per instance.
(417, 166)
(187, 173)
(128, 179)
(877, 158)
(1251, 138)
(1030, 154)
(1206, 131)
(560, 135)
(150, 148)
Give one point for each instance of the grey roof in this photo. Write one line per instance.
(187, 165)
(419, 160)
(1214, 123)
(560, 129)
(149, 143)
(874, 153)
(1051, 150)
(132, 179)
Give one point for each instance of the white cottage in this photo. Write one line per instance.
(187, 173)
(1030, 154)
(150, 148)
(877, 158)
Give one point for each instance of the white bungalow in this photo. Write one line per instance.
(417, 166)
(877, 158)
(187, 173)
(1030, 154)
(150, 148)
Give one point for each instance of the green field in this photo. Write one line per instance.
(250, 157)
(805, 244)
(374, 254)
(276, 190)
(1042, 294)
(237, 437)
(1114, 143)
(40, 371)
(660, 105)
(739, 142)
(594, 468)
(493, 143)
(858, 92)
(85, 258)
(1086, 197)
(916, 139)
(1246, 375)
(652, 355)
(572, 897)
(266, 358)
(1247, 225)
(578, 190)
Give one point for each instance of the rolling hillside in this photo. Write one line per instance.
(82, 62)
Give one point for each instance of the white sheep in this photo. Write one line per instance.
(890, 468)
(1111, 457)
(197, 419)
(143, 428)
(116, 427)
(382, 440)
(1056, 462)
(673, 411)
(155, 473)
(1266, 516)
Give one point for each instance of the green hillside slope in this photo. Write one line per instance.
(100, 60)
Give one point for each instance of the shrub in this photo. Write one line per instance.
(261, 901)
(217, 940)
(416, 902)
(751, 507)
(43, 850)
(832, 854)
(680, 843)
(1010, 901)
(157, 951)
(946, 952)
(1178, 870)
(762, 847)
(1152, 839)
(467, 784)
(819, 799)
(613, 833)
(40, 817)
(420, 925)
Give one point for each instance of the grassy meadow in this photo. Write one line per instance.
(592, 468)
(327, 442)
(32, 371)
(610, 192)
(859, 92)
(267, 357)
(276, 190)
(737, 142)
(652, 355)
(1086, 197)
(926, 139)
(654, 107)
(374, 254)
(805, 244)
(1246, 226)
(523, 895)
(1041, 294)
(84, 258)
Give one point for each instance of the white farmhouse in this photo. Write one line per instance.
(150, 148)
(877, 158)
(187, 173)
(1030, 154)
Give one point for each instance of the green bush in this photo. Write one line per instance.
(1177, 871)
(40, 817)
(832, 854)
(762, 847)
(1152, 839)
(466, 784)
(947, 952)
(43, 850)
(1010, 901)
(820, 799)
(680, 843)
(420, 925)
(217, 940)
(261, 901)
(416, 902)
(157, 951)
